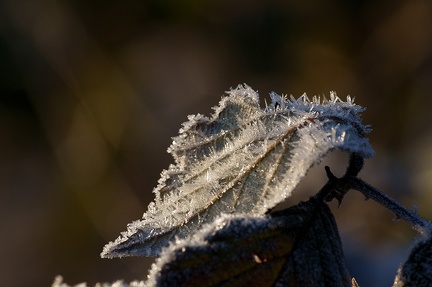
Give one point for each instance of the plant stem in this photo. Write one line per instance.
(336, 188)
(420, 224)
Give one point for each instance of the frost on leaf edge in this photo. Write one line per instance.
(333, 107)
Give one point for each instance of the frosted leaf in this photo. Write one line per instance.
(417, 270)
(299, 246)
(243, 159)
(58, 282)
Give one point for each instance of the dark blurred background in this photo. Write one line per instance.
(91, 93)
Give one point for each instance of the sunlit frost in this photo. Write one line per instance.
(242, 159)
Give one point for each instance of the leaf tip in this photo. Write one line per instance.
(131, 243)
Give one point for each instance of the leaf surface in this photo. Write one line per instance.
(243, 159)
(299, 246)
(417, 270)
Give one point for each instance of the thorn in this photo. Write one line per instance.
(397, 218)
(339, 200)
(330, 175)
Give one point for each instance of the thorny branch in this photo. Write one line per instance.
(336, 188)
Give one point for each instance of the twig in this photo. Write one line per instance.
(336, 188)
(420, 224)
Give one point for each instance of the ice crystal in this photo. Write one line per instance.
(242, 159)
(58, 282)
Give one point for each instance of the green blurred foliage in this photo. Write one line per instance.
(92, 91)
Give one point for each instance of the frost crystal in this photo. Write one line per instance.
(243, 159)
(58, 282)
